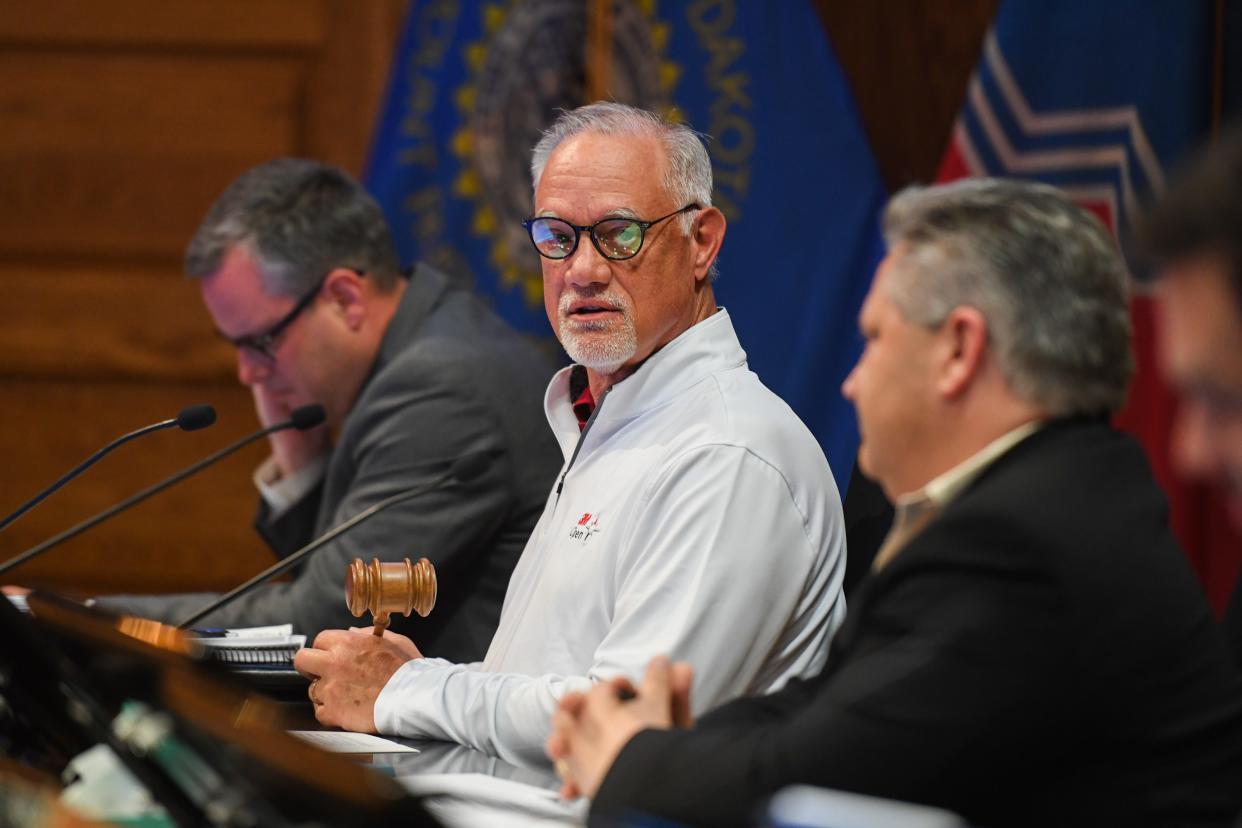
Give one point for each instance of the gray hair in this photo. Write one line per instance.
(299, 219)
(688, 174)
(1044, 273)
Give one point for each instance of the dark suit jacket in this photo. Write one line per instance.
(868, 517)
(1040, 655)
(450, 379)
(1232, 622)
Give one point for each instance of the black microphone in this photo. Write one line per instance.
(464, 469)
(190, 419)
(306, 417)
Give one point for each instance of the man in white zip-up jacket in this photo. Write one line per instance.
(695, 515)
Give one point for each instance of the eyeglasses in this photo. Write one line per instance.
(615, 238)
(264, 344)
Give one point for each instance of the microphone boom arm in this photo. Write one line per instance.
(191, 419)
(288, 563)
(137, 498)
(463, 469)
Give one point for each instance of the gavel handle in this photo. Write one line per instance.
(381, 624)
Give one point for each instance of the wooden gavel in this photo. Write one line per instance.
(385, 588)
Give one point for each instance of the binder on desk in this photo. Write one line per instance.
(262, 657)
(252, 647)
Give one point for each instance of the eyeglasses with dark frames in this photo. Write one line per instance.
(264, 344)
(615, 238)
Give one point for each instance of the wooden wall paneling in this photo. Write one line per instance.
(119, 155)
(267, 25)
(346, 85)
(908, 63)
(80, 322)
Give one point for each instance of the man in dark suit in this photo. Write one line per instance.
(1194, 234)
(298, 271)
(1031, 647)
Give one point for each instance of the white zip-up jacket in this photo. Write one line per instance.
(695, 516)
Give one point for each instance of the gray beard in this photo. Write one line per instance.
(605, 353)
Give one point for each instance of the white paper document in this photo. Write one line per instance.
(279, 631)
(253, 638)
(340, 741)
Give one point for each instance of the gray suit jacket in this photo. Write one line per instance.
(450, 379)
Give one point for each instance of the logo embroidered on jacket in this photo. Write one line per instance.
(588, 526)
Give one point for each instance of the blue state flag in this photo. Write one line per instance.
(474, 83)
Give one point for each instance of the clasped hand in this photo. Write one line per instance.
(590, 729)
(349, 668)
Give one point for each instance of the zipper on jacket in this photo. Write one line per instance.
(560, 484)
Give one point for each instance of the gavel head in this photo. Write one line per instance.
(395, 587)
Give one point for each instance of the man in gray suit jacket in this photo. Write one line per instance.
(297, 268)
